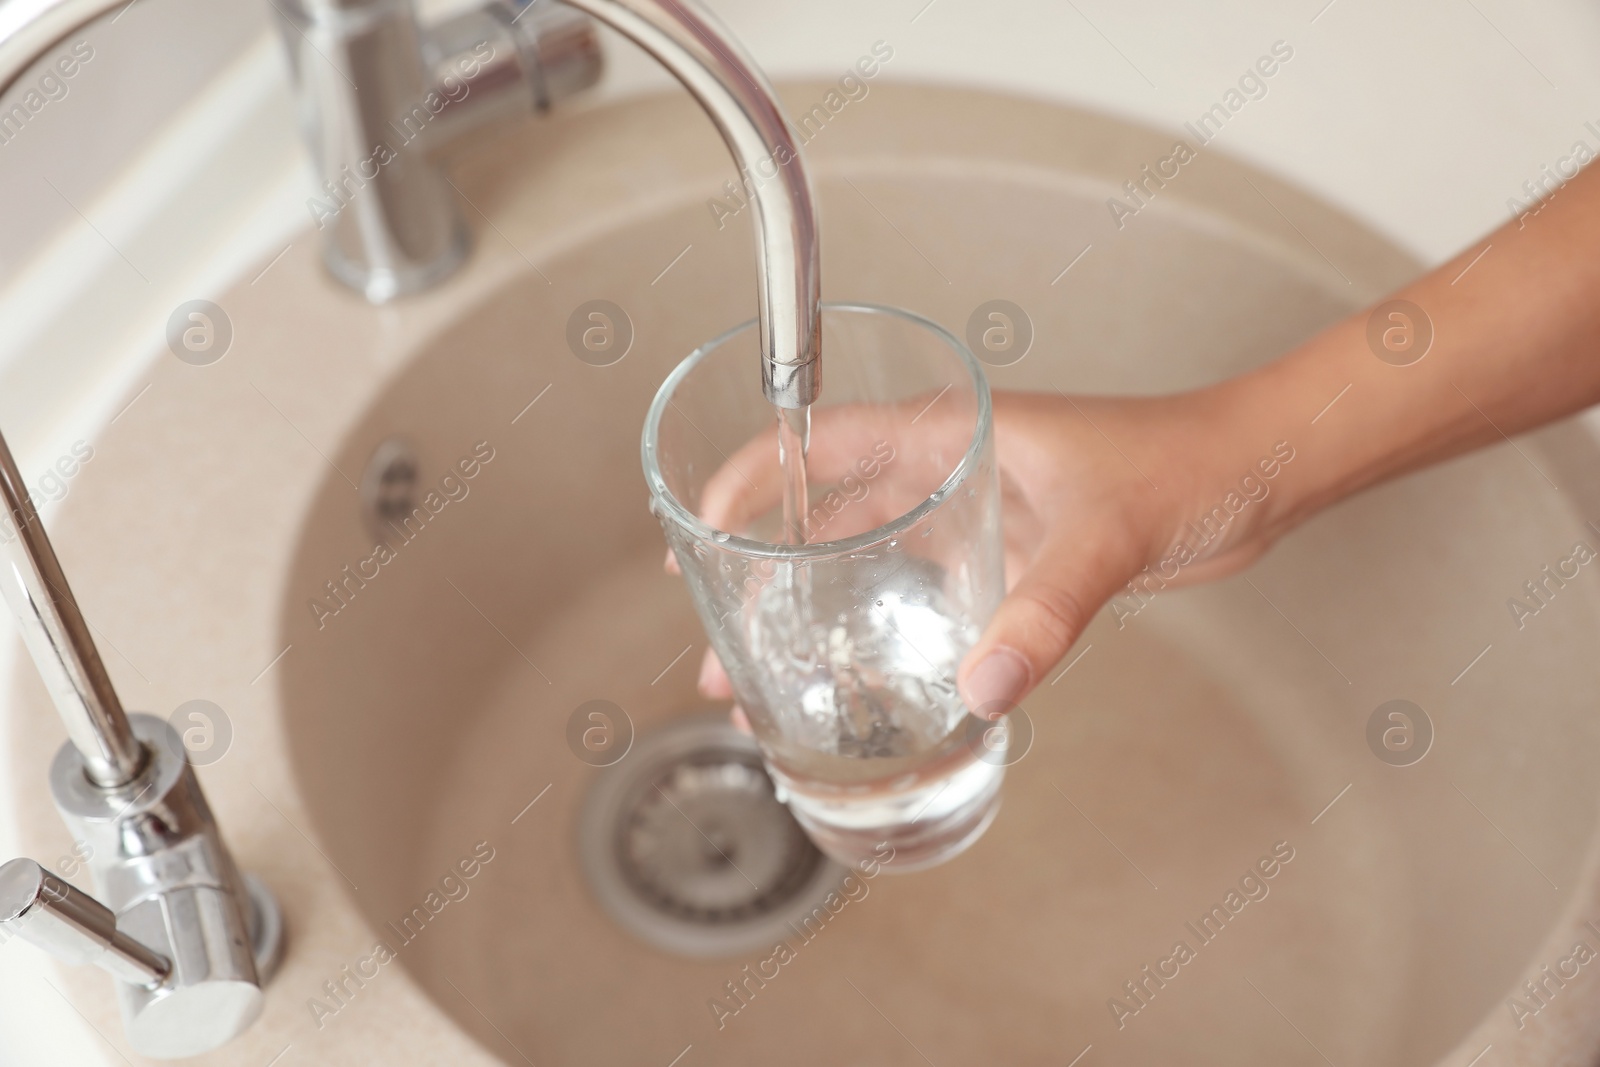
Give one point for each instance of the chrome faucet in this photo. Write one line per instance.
(189, 938)
(378, 95)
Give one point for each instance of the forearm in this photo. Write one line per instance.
(1108, 489)
(1516, 343)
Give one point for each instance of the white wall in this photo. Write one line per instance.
(148, 60)
(1421, 117)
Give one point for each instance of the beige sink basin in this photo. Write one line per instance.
(409, 731)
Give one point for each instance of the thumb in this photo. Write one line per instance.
(1038, 621)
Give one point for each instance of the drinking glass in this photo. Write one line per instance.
(842, 650)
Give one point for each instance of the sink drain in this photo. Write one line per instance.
(389, 488)
(685, 845)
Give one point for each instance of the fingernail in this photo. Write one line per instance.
(996, 683)
(708, 673)
(670, 564)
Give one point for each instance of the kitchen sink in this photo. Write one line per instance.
(401, 719)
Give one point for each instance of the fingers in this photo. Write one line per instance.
(714, 683)
(867, 465)
(1038, 622)
(847, 441)
(747, 485)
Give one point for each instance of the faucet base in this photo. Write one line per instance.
(381, 284)
(160, 865)
(268, 935)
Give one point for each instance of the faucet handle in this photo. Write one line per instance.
(73, 926)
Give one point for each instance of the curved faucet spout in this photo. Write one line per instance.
(713, 66)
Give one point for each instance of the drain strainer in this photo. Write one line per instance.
(686, 846)
(389, 488)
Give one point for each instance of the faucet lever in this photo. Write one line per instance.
(73, 926)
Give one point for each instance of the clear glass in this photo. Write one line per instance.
(843, 650)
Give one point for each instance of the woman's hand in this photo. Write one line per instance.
(1093, 491)
(1194, 486)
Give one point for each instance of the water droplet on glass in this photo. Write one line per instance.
(720, 537)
